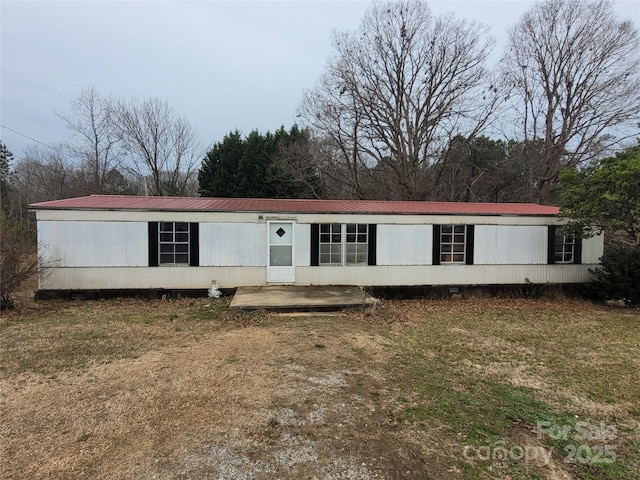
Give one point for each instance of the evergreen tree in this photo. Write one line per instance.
(6, 157)
(259, 166)
(605, 197)
(218, 174)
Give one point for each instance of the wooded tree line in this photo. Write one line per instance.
(116, 146)
(406, 109)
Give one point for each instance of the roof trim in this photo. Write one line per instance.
(292, 206)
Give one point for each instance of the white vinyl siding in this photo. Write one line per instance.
(510, 245)
(404, 244)
(592, 249)
(94, 244)
(233, 250)
(301, 245)
(252, 217)
(233, 244)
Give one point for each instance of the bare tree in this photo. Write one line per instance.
(294, 166)
(395, 92)
(161, 145)
(95, 142)
(45, 174)
(575, 72)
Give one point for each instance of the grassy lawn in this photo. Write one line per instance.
(468, 389)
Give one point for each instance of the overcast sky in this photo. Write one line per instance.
(222, 65)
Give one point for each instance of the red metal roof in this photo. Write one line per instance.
(271, 205)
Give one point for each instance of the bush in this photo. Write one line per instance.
(18, 258)
(618, 278)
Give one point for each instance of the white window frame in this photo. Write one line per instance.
(173, 242)
(564, 248)
(349, 246)
(451, 246)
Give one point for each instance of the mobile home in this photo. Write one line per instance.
(103, 242)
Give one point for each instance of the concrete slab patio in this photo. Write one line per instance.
(308, 298)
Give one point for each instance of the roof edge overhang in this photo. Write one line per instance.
(294, 212)
(120, 203)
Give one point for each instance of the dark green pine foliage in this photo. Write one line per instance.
(254, 165)
(6, 157)
(618, 276)
(218, 176)
(605, 196)
(259, 166)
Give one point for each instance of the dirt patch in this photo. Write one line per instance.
(539, 454)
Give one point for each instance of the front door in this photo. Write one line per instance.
(280, 265)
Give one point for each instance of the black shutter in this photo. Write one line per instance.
(315, 244)
(194, 245)
(468, 254)
(435, 259)
(577, 250)
(153, 244)
(551, 244)
(371, 248)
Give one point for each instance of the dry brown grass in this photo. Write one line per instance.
(183, 389)
(122, 389)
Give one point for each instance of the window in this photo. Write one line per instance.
(453, 244)
(357, 244)
(331, 244)
(174, 243)
(343, 244)
(173, 240)
(564, 248)
(453, 239)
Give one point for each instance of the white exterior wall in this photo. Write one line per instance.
(84, 278)
(592, 249)
(404, 244)
(442, 275)
(87, 244)
(113, 253)
(510, 245)
(220, 244)
(301, 218)
(302, 253)
(233, 244)
(177, 278)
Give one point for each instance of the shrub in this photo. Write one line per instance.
(618, 277)
(18, 258)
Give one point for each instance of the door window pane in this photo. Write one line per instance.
(280, 256)
(280, 233)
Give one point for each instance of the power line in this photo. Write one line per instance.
(31, 138)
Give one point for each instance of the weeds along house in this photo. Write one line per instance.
(103, 242)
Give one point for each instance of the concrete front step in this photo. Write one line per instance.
(298, 298)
